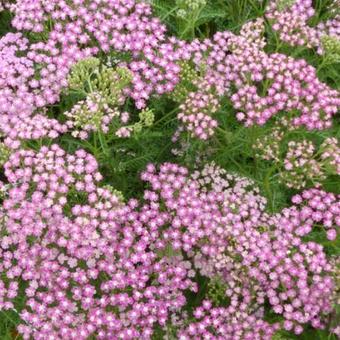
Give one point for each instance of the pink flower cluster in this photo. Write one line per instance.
(124, 26)
(226, 323)
(90, 268)
(290, 21)
(260, 85)
(35, 74)
(267, 84)
(195, 114)
(95, 265)
(26, 88)
(293, 87)
(314, 206)
(270, 253)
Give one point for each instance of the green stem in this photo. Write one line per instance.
(103, 144)
(169, 13)
(9, 318)
(165, 117)
(267, 185)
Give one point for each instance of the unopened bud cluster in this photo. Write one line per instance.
(146, 119)
(331, 48)
(188, 75)
(104, 89)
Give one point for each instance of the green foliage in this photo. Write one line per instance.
(202, 18)
(8, 322)
(5, 22)
(216, 291)
(5, 152)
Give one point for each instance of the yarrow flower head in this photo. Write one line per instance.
(92, 114)
(300, 165)
(82, 73)
(314, 206)
(104, 89)
(330, 155)
(268, 147)
(188, 77)
(290, 19)
(89, 76)
(195, 114)
(260, 85)
(226, 323)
